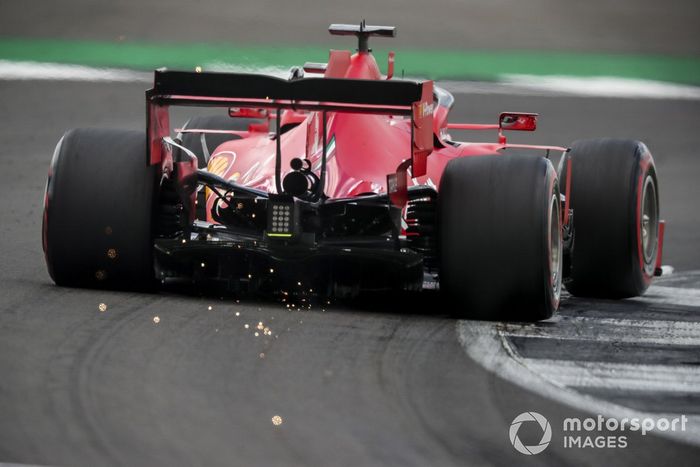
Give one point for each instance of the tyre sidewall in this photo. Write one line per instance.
(493, 237)
(97, 226)
(607, 257)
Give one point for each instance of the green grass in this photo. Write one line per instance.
(436, 64)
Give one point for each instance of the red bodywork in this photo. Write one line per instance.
(362, 148)
(321, 184)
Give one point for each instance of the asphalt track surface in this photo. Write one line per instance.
(380, 383)
(384, 382)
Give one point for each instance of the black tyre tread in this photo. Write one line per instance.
(493, 236)
(100, 197)
(605, 174)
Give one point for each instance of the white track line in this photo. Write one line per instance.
(662, 332)
(623, 376)
(526, 85)
(278, 72)
(606, 86)
(594, 86)
(10, 70)
(485, 345)
(488, 344)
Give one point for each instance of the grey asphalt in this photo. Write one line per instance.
(384, 383)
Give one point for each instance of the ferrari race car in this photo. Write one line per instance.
(343, 182)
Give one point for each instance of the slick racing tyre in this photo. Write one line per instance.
(500, 240)
(98, 211)
(615, 202)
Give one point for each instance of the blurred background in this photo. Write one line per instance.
(625, 26)
(442, 38)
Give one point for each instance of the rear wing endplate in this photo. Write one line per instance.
(410, 98)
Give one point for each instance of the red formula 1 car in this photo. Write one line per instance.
(344, 182)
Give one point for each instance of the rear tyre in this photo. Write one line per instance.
(98, 211)
(615, 201)
(500, 237)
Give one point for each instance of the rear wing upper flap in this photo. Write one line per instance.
(268, 91)
(411, 98)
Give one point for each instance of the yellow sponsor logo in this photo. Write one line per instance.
(218, 165)
(426, 109)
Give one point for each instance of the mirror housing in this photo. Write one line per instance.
(518, 121)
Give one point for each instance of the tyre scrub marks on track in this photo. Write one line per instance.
(78, 362)
(629, 358)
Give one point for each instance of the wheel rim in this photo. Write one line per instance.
(649, 220)
(555, 246)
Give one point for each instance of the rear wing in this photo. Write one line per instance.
(410, 98)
